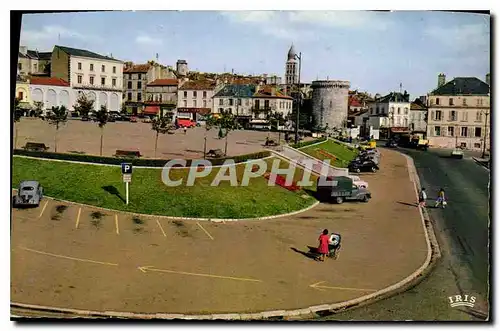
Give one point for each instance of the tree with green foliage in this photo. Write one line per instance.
(276, 119)
(38, 108)
(102, 117)
(123, 110)
(16, 117)
(226, 122)
(57, 117)
(210, 122)
(83, 105)
(161, 125)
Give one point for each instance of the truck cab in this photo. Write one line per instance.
(341, 188)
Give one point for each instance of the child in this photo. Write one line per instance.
(441, 199)
(422, 197)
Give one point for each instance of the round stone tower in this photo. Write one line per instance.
(330, 103)
(182, 67)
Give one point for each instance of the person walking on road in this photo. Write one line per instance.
(422, 197)
(441, 200)
(324, 238)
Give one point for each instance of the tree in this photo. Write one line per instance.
(161, 125)
(57, 117)
(276, 119)
(210, 122)
(123, 110)
(16, 116)
(102, 120)
(226, 122)
(83, 105)
(38, 108)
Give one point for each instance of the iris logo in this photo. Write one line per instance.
(459, 300)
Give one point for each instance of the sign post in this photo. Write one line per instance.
(127, 177)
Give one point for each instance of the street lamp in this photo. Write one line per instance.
(298, 57)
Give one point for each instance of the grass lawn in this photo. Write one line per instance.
(343, 154)
(102, 186)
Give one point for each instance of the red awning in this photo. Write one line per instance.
(184, 122)
(154, 110)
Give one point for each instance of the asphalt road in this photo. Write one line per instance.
(462, 230)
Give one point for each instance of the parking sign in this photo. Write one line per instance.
(126, 168)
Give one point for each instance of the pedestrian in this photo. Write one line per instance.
(422, 197)
(185, 130)
(441, 200)
(323, 245)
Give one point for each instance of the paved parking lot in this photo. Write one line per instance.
(65, 255)
(78, 136)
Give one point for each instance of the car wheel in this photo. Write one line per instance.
(374, 169)
(358, 170)
(365, 198)
(339, 200)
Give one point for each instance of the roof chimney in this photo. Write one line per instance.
(488, 79)
(441, 79)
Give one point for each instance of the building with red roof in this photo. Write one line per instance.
(52, 92)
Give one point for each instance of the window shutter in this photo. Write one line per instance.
(433, 114)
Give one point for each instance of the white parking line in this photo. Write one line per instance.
(43, 209)
(116, 224)
(159, 225)
(78, 218)
(208, 234)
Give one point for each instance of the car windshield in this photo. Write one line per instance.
(28, 188)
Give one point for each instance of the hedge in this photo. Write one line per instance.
(307, 143)
(137, 162)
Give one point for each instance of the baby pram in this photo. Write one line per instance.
(334, 245)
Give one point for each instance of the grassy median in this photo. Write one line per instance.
(343, 154)
(102, 186)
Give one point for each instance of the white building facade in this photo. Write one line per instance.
(53, 92)
(99, 77)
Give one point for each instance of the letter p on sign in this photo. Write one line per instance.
(126, 168)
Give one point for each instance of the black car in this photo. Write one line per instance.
(363, 165)
(391, 144)
(85, 118)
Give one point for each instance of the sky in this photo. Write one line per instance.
(375, 51)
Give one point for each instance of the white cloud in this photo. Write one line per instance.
(51, 34)
(147, 40)
(293, 25)
(465, 37)
(342, 19)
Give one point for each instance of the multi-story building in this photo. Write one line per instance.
(135, 79)
(31, 62)
(459, 113)
(98, 76)
(393, 113)
(23, 93)
(418, 117)
(52, 92)
(268, 100)
(161, 97)
(194, 99)
(251, 104)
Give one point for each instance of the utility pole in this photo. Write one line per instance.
(485, 134)
(299, 57)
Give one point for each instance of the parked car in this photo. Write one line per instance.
(340, 189)
(85, 118)
(147, 120)
(363, 166)
(133, 119)
(391, 144)
(29, 194)
(457, 153)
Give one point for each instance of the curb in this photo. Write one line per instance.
(135, 167)
(178, 218)
(480, 162)
(433, 252)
